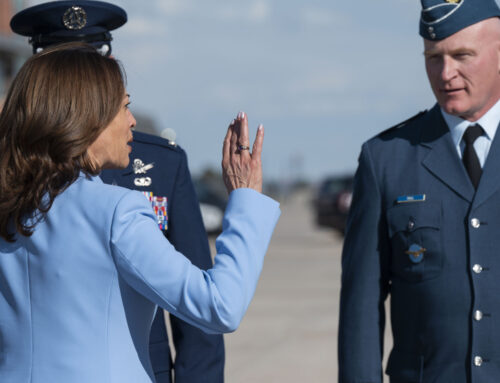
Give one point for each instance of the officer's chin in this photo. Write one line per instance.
(452, 106)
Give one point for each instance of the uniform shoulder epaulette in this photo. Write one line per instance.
(151, 139)
(403, 123)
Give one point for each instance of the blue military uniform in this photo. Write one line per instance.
(160, 170)
(419, 231)
(157, 168)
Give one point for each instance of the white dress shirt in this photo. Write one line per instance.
(489, 122)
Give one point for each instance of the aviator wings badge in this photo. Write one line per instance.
(140, 168)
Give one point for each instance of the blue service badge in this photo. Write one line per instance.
(159, 205)
(411, 198)
(416, 253)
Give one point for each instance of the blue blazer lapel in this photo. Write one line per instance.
(442, 160)
(490, 179)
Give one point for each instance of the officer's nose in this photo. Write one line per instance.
(448, 69)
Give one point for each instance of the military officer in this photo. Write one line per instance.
(425, 220)
(159, 169)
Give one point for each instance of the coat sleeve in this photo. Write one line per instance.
(364, 281)
(198, 356)
(214, 300)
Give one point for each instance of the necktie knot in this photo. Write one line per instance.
(472, 133)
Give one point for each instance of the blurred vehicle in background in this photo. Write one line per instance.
(332, 202)
(212, 205)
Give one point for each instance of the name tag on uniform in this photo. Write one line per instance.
(411, 198)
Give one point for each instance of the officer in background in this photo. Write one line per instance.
(159, 169)
(425, 219)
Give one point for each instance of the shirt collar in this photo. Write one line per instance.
(489, 122)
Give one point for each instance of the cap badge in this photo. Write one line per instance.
(453, 1)
(75, 18)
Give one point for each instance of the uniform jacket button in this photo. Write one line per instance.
(478, 315)
(478, 361)
(477, 268)
(475, 223)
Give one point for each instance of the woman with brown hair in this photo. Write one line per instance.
(83, 264)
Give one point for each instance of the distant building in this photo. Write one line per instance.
(13, 49)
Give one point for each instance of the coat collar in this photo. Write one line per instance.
(443, 160)
(445, 164)
(490, 179)
(96, 178)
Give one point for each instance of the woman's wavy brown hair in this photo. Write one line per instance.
(58, 104)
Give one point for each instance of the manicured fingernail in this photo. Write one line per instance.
(260, 127)
(239, 115)
(242, 115)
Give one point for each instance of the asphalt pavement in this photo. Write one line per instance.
(289, 333)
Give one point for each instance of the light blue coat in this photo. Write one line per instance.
(78, 296)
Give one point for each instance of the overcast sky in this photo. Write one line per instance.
(322, 76)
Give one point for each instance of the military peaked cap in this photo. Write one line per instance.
(63, 21)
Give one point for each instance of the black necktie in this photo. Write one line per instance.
(470, 159)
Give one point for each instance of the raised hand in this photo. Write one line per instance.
(240, 167)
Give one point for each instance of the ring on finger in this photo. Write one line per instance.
(243, 147)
